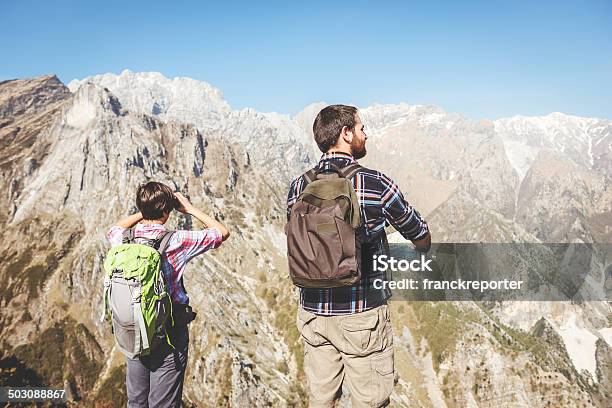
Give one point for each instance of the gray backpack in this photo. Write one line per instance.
(323, 244)
(136, 294)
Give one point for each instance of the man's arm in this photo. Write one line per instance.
(404, 218)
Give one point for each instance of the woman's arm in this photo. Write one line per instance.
(130, 221)
(207, 220)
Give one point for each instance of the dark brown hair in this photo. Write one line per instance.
(329, 123)
(153, 199)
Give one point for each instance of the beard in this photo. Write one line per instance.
(358, 149)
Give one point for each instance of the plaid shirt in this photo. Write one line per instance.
(182, 247)
(381, 203)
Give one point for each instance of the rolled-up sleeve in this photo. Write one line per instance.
(115, 235)
(194, 243)
(404, 218)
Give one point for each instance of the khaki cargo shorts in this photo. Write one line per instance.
(355, 348)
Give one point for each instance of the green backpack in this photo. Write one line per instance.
(136, 294)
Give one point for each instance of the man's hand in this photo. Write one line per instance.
(185, 205)
(423, 244)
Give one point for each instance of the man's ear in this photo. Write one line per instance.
(346, 134)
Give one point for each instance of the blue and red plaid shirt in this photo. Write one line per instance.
(381, 203)
(182, 247)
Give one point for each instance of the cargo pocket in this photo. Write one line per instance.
(359, 332)
(386, 328)
(383, 374)
(306, 326)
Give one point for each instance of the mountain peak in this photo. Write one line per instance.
(152, 93)
(91, 101)
(18, 96)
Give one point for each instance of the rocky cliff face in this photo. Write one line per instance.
(27, 108)
(71, 161)
(272, 141)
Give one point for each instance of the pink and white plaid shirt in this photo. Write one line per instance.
(182, 247)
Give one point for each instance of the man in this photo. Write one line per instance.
(346, 330)
(156, 380)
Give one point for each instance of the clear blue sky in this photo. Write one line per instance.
(485, 59)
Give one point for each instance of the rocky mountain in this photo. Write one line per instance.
(585, 142)
(273, 141)
(72, 157)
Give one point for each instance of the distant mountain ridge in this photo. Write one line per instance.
(426, 138)
(585, 141)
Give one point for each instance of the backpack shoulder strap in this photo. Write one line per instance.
(163, 242)
(350, 170)
(128, 236)
(310, 176)
(329, 166)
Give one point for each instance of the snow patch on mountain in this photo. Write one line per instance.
(380, 118)
(606, 334)
(520, 155)
(82, 112)
(571, 137)
(571, 322)
(580, 345)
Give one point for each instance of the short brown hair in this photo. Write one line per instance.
(329, 123)
(153, 199)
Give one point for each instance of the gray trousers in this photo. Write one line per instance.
(156, 381)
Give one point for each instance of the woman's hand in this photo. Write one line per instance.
(209, 222)
(184, 205)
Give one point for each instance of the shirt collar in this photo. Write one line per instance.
(337, 155)
(151, 227)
